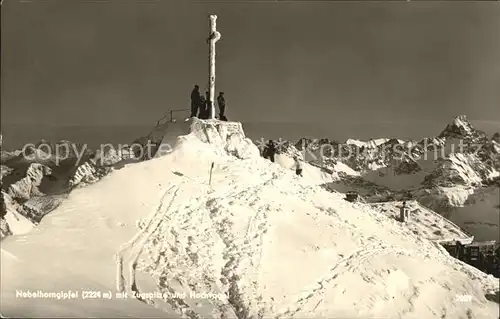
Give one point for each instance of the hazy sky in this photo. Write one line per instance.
(122, 62)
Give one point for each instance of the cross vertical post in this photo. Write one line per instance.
(211, 170)
(213, 38)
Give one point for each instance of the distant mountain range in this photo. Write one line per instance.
(447, 172)
(16, 135)
(455, 172)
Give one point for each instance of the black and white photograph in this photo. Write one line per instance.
(250, 159)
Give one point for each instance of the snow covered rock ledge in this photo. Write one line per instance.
(225, 137)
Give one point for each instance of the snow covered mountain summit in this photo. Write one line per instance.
(165, 238)
(461, 127)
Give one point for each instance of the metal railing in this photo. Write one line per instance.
(170, 116)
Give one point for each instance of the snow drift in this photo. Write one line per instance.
(257, 241)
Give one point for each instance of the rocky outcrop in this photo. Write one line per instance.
(459, 169)
(407, 167)
(37, 207)
(11, 221)
(27, 187)
(88, 173)
(4, 171)
(20, 192)
(4, 228)
(430, 144)
(496, 137)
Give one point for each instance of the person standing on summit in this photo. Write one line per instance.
(202, 110)
(270, 150)
(221, 102)
(208, 106)
(298, 165)
(195, 101)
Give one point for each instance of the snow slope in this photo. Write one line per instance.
(18, 224)
(426, 223)
(312, 173)
(259, 241)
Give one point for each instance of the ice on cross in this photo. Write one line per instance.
(212, 39)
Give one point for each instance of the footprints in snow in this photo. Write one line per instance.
(240, 257)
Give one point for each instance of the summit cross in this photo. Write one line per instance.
(212, 39)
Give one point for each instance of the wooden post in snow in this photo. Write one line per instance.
(211, 170)
(212, 39)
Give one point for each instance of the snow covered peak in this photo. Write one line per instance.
(462, 128)
(225, 138)
(221, 137)
(355, 142)
(461, 121)
(396, 141)
(459, 126)
(372, 143)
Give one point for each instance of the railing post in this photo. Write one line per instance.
(171, 115)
